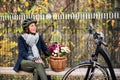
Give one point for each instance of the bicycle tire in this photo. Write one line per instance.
(78, 72)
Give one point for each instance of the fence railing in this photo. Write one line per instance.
(73, 33)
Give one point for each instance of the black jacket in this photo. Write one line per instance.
(23, 50)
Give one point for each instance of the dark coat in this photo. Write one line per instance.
(23, 50)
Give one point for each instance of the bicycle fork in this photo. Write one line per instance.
(90, 71)
(91, 68)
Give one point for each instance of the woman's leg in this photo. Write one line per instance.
(41, 71)
(29, 66)
(35, 75)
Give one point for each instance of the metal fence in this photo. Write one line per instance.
(70, 32)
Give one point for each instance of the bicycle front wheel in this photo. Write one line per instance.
(79, 72)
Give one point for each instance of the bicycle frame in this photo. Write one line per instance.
(100, 50)
(108, 61)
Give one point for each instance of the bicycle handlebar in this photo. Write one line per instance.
(98, 36)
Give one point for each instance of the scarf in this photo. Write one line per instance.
(32, 40)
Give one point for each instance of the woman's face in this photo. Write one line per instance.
(32, 28)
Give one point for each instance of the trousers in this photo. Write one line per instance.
(37, 69)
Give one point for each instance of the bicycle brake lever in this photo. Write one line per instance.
(105, 44)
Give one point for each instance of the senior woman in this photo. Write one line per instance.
(30, 45)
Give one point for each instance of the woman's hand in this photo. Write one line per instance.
(38, 61)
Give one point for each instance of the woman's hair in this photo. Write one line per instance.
(26, 30)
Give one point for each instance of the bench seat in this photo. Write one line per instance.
(9, 70)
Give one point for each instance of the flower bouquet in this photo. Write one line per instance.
(58, 56)
(59, 50)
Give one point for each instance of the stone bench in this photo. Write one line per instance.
(9, 70)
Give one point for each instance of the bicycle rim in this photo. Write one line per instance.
(79, 72)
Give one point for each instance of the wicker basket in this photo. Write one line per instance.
(58, 63)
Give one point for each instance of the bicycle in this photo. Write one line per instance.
(92, 69)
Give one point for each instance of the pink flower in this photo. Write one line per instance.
(52, 48)
(59, 50)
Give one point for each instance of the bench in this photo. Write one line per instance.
(9, 70)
